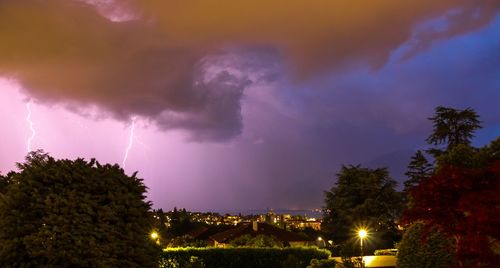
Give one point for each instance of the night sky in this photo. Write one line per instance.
(241, 104)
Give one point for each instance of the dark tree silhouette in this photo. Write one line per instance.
(362, 196)
(452, 127)
(463, 203)
(180, 222)
(418, 169)
(63, 213)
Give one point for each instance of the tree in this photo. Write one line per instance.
(461, 199)
(422, 247)
(180, 222)
(453, 127)
(64, 213)
(362, 196)
(418, 169)
(258, 241)
(186, 241)
(160, 225)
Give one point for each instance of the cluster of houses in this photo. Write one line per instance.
(255, 228)
(218, 230)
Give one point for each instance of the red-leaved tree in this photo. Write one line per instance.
(464, 203)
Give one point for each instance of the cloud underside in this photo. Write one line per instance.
(168, 61)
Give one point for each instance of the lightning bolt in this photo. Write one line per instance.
(30, 124)
(130, 142)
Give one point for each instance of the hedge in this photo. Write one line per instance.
(242, 257)
(421, 248)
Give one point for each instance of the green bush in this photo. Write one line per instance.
(195, 262)
(351, 262)
(326, 263)
(424, 248)
(186, 241)
(386, 252)
(259, 241)
(242, 257)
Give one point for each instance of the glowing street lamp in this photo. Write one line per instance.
(322, 241)
(154, 235)
(362, 234)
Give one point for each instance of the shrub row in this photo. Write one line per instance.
(242, 257)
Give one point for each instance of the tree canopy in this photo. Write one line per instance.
(461, 199)
(436, 252)
(418, 169)
(64, 213)
(362, 196)
(258, 241)
(452, 127)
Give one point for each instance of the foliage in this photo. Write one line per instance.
(418, 169)
(160, 224)
(180, 222)
(385, 252)
(259, 241)
(351, 262)
(325, 263)
(362, 196)
(63, 213)
(453, 127)
(422, 248)
(292, 262)
(195, 262)
(186, 241)
(461, 199)
(243, 257)
(462, 156)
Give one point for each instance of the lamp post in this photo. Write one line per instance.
(323, 241)
(155, 237)
(362, 234)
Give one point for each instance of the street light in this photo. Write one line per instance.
(362, 234)
(321, 239)
(154, 235)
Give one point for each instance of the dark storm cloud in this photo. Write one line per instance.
(374, 118)
(146, 57)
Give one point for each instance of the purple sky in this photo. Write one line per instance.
(242, 105)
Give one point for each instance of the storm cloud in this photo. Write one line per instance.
(160, 59)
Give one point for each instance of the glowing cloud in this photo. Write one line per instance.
(147, 57)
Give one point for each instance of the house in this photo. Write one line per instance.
(255, 228)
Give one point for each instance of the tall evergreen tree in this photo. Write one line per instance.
(418, 169)
(452, 127)
(362, 196)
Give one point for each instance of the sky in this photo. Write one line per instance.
(240, 105)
